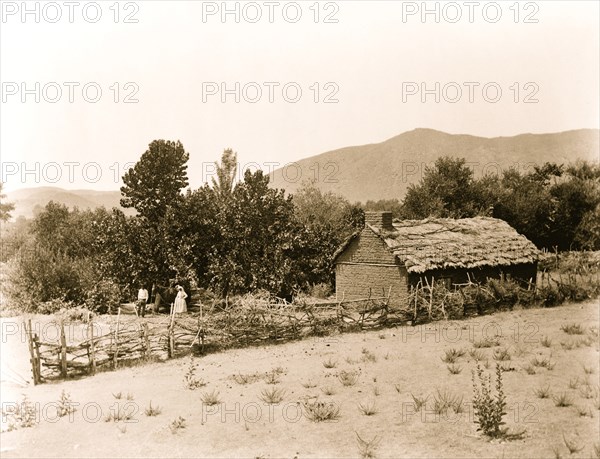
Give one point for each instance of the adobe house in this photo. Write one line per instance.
(397, 254)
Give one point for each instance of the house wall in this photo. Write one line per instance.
(366, 265)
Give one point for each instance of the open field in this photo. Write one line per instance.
(391, 366)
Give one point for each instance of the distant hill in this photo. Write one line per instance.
(384, 170)
(27, 199)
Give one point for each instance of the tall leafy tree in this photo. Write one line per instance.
(446, 190)
(224, 183)
(155, 182)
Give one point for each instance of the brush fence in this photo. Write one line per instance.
(112, 341)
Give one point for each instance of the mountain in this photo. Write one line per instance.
(384, 170)
(27, 199)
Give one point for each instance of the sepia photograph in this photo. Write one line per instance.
(300, 229)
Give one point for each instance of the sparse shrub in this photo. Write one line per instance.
(118, 413)
(330, 363)
(597, 450)
(211, 398)
(177, 424)
(398, 388)
(562, 400)
(367, 448)
(65, 404)
(588, 370)
(328, 390)
(118, 395)
(368, 356)
(272, 377)
(544, 363)
(368, 409)
(529, 369)
(546, 341)
(246, 378)
(584, 411)
(586, 391)
(419, 402)
(454, 369)
(348, 378)
(309, 384)
(351, 361)
(572, 445)
(444, 400)
(189, 379)
(152, 410)
(320, 411)
(501, 355)
(272, 395)
(476, 354)
(381, 336)
(543, 392)
(574, 383)
(129, 396)
(452, 355)
(568, 345)
(486, 342)
(489, 410)
(376, 392)
(572, 329)
(23, 414)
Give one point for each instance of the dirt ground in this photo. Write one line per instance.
(392, 365)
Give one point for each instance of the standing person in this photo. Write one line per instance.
(180, 304)
(142, 299)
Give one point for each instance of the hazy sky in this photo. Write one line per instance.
(370, 60)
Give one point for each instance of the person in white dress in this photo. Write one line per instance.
(180, 304)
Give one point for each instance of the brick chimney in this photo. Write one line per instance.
(380, 219)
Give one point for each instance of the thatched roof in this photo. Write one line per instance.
(443, 243)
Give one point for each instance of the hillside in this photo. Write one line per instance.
(27, 199)
(384, 170)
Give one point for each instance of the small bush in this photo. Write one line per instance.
(543, 392)
(562, 400)
(546, 341)
(501, 355)
(272, 395)
(329, 363)
(452, 355)
(572, 329)
(65, 404)
(367, 448)
(368, 409)
(309, 384)
(211, 398)
(419, 402)
(177, 424)
(489, 409)
(24, 415)
(152, 410)
(328, 390)
(368, 356)
(454, 369)
(189, 379)
(571, 445)
(246, 378)
(348, 378)
(444, 400)
(486, 342)
(476, 354)
(320, 411)
(272, 377)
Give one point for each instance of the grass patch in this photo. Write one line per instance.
(367, 448)
(562, 400)
(272, 396)
(211, 398)
(348, 378)
(329, 363)
(152, 410)
(573, 329)
(367, 408)
(454, 369)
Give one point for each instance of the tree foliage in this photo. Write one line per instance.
(5, 207)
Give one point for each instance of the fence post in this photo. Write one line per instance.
(63, 350)
(91, 347)
(116, 354)
(146, 341)
(34, 367)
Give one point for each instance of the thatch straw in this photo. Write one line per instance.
(443, 243)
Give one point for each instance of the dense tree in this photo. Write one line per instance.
(155, 182)
(255, 237)
(446, 190)
(5, 207)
